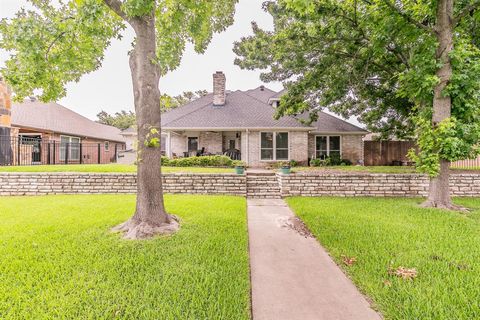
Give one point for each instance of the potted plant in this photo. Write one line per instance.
(239, 166)
(285, 167)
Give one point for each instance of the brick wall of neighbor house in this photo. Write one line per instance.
(352, 147)
(89, 149)
(88, 183)
(211, 141)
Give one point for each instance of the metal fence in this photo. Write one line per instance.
(25, 151)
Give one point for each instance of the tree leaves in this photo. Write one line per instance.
(375, 60)
(53, 46)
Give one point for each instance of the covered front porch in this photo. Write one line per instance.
(176, 144)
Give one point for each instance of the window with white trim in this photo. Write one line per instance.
(327, 146)
(73, 146)
(274, 146)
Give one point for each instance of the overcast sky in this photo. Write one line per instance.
(110, 88)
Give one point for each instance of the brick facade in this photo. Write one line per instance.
(351, 145)
(301, 145)
(211, 141)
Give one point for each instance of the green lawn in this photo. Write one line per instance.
(371, 169)
(106, 168)
(58, 260)
(384, 234)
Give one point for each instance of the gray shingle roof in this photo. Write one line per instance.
(241, 110)
(246, 109)
(329, 123)
(54, 117)
(261, 93)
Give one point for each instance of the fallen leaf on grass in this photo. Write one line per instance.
(404, 273)
(387, 283)
(348, 260)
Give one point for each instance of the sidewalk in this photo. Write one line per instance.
(292, 275)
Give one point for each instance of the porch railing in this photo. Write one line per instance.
(25, 151)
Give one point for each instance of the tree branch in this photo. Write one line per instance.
(53, 43)
(468, 9)
(116, 6)
(408, 18)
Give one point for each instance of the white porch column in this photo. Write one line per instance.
(169, 144)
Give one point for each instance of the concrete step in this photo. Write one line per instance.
(262, 185)
(263, 173)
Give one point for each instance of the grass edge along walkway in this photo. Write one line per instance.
(371, 238)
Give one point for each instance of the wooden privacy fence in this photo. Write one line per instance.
(471, 163)
(387, 153)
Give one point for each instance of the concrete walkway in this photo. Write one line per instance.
(292, 275)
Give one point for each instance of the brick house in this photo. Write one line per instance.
(241, 124)
(49, 133)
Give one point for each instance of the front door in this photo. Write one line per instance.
(34, 143)
(192, 145)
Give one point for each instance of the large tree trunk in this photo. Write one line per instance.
(439, 193)
(150, 217)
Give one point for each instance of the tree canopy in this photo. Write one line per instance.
(126, 119)
(168, 102)
(406, 69)
(122, 119)
(58, 42)
(370, 59)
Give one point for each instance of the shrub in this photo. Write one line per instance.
(293, 163)
(335, 160)
(205, 161)
(239, 163)
(165, 161)
(317, 162)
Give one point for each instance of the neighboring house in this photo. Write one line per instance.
(242, 123)
(130, 137)
(48, 133)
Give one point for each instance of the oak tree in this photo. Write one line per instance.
(59, 41)
(405, 68)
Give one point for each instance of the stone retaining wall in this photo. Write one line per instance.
(377, 185)
(72, 183)
(297, 184)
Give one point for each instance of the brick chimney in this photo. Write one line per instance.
(219, 88)
(5, 108)
(6, 153)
